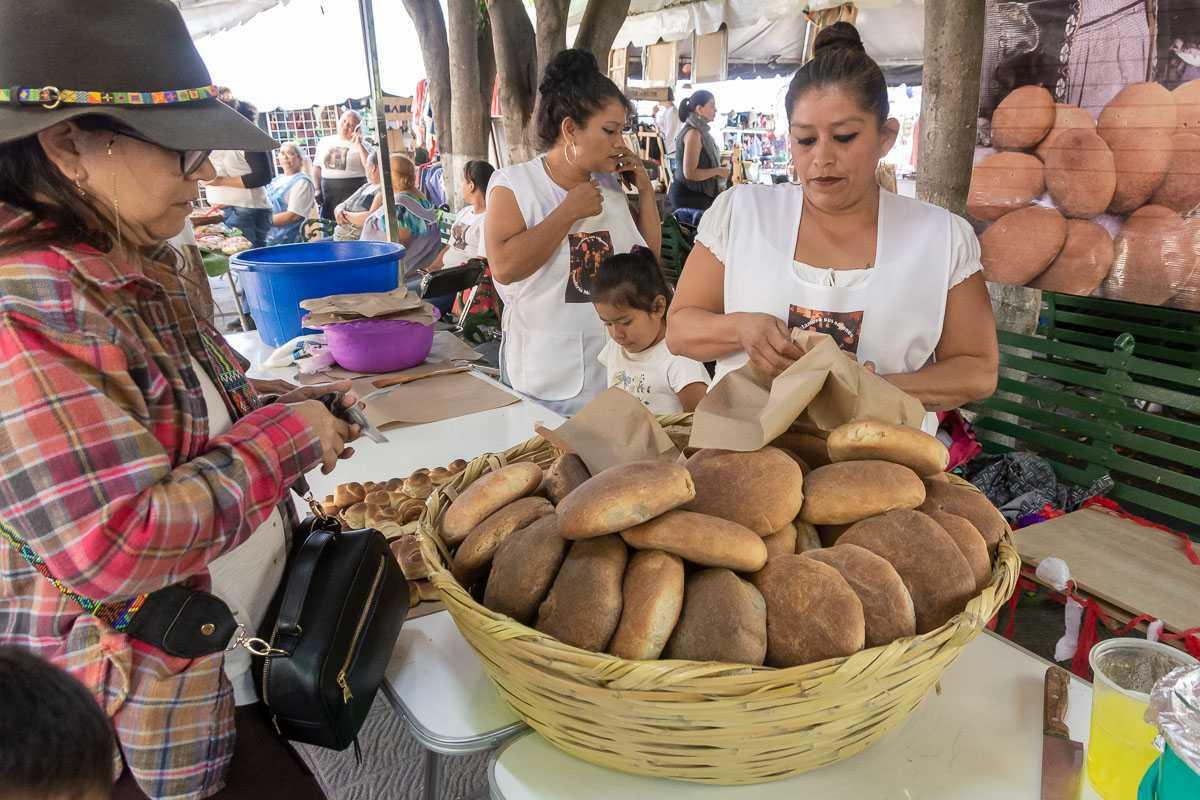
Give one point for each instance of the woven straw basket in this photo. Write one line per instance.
(694, 721)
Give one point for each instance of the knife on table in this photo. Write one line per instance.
(1062, 757)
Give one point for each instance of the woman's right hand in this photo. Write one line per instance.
(330, 430)
(767, 342)
(584, 200)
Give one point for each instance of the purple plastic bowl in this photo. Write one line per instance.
(379, 345)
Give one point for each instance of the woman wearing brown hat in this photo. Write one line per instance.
(135, 453)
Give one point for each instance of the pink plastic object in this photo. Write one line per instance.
(379, 345)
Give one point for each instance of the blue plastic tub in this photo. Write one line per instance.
(276, 279)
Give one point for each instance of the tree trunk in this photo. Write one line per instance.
(487, 76)
(431, 33)
(516, 69)
(602, 19)
(467, 113)
(551, 31)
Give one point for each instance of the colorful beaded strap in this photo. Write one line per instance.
(116, 615)
(51, 97)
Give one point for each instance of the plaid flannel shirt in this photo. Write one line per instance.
(111, 478)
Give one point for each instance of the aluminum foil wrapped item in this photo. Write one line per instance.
(1175, 709)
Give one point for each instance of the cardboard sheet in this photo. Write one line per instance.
(615, 428)
(433, 399)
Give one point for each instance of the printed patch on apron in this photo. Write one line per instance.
(843, 326)
(588, 251)
(336, 158)
(458, 236)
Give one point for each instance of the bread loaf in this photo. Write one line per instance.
(475, 553)
(1137, 125)
(869, 439)
(888, 611)
(1019, 246)
(623, 496)
(1023, 118)
(831, 533)
(781, 542)
(970, 543)
(723, 619)
(524, 568)
(1004, 182)
(564, 476)
(852, 490)
(1154, 255)
(1081, 174)
(1180, 190)
(652, 599)
(807, 537)
(584, 605)
(1187, 104)
(1084, 262)
(812, 613)
(972, 506)
(935, 573)
(1066, 118)
(701, 539)
(811, 448)
(761, 490)
(486, 496)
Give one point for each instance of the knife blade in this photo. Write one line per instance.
(1062, 757)
(354, 415)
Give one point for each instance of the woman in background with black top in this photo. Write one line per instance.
(239, 189)
(698, 170)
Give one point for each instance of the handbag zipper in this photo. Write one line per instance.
(347, 695)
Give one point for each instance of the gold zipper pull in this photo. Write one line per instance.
(347, 696)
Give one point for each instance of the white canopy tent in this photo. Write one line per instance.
(206, 17)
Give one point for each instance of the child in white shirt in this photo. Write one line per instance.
(631, 296)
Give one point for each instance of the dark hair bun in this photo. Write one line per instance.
(839, 35)
(569, 68)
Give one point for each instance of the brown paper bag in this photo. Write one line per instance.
(615, 428)
(364, 304)
(422, 314)
(825, 388)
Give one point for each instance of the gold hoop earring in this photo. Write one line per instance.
(115, 200)
(79, 188)
(575, 152)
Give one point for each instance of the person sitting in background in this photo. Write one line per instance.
(58, 745)
(466, 233)
(351, 214)
(292, 195)
(698, 170)
(341, 164)
(631, 296)
(417, 223)
(238, 188)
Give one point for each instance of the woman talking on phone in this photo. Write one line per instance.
(552, 221)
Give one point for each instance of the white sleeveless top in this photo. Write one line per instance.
(552, 334)
(890, 314)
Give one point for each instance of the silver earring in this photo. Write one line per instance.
(79, 188)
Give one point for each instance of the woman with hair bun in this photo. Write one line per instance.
(552, 221)
(896, 282)
(698, 170)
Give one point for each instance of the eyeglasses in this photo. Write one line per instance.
(190, 161)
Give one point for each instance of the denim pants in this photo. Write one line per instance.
(252, 222)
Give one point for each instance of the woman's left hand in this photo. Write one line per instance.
(299, 394)
(631, 169)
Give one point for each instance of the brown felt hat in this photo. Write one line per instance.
(130, 60)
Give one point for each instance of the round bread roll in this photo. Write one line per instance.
(1180, 189)
(854, 490)
(456, 466)
(1188, 294)
(1019, 246)
(1081, 174)
(418, 486)
(761, 490)
(807, 537)
(623, 496)
(330, 509)
(782, 542)
(440, 476)
(868, 439)
(395, 485)
(1023, 118)
(422, 471)
(565, 475)
(486, 496)
(1187, 105)
(888, 611)
(831, 533)
(1084, 262)
(652, 597)
(379, 516)
(970, 543)
(355, 516)
(811, 448)
(407, 550)
(812, 612)
(1066, 118)
(1137, 124)
(379, 497)
(701, 539)
(1153, 257)
(972, 506)
(935, 573)
(410, 510)
(369, 487)
(524, 568)
(475, 553)
(584, 605)
(723, 619)
(347, 494)
(1004, 182)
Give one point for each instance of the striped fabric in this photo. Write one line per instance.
(111, 479)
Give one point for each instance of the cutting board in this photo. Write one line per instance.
(433, 399)
(1120, 562)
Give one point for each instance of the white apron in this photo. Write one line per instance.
(552, 334)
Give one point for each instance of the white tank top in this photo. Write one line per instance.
(891, 314)
(552, 334)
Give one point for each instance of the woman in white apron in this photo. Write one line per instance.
(550, 224)
(896, 282)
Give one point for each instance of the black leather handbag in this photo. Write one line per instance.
(337, 617)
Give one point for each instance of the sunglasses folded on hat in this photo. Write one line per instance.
(130, 60)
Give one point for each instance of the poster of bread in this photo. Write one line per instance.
(1087, 171)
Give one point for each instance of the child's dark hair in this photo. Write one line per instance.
(631, 280)
(697, 99)
(479, 173)
(56, 740)
(573, 86)
(839, 59)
